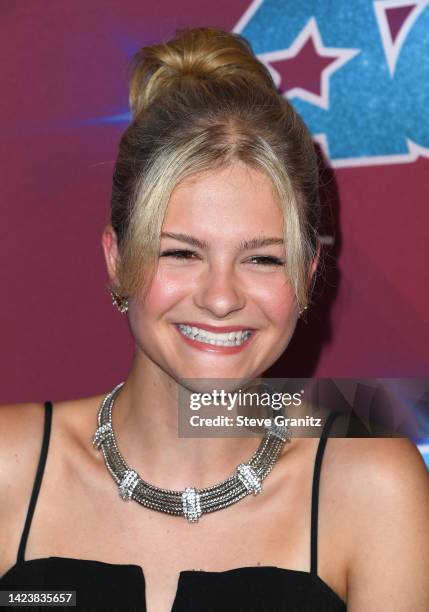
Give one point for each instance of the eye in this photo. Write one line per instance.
(268, 260)
(178, 254)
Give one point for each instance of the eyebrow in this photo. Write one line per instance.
(244, 245)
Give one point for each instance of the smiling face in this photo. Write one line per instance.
(209, 278)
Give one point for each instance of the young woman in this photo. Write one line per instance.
(212, 252)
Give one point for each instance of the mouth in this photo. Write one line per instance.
(225, 341)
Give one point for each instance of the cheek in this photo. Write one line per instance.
(164, 292)
(146, 312)
(276, 299)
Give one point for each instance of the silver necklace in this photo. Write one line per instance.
(190, 503)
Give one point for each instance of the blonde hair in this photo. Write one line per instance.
(200, 102)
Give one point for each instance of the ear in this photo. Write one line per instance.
(109, 243)
(314, 263)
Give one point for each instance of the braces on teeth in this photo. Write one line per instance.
(225, 339)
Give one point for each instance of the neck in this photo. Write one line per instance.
(145, 421)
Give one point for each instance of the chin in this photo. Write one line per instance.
(207, 385)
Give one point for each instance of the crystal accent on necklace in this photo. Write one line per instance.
(101, 434)
(128, 484)
(281, 431)
(190, 503)
(247, 475)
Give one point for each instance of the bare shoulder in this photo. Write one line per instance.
(384, 485)
(378, 475)
(21, 435)
(21, 427)
(21, 432)
(383, 467)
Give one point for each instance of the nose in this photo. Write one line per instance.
(219, 291)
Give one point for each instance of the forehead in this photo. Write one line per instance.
(235, 198)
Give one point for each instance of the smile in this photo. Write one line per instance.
(228, 339)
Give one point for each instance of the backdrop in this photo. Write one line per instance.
(356, 71)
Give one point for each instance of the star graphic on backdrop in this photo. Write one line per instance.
(395, 20)
(303, 70)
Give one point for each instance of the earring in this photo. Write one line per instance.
(120, 302)
(302, 310)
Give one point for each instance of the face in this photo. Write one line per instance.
(218, 306)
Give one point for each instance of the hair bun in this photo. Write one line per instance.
(199, 53)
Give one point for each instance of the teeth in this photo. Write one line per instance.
(225, 339)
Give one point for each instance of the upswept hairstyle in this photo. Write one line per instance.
(199, 102)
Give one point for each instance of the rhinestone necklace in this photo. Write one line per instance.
(190, 503)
